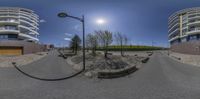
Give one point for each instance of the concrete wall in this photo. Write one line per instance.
(28, 47)
(191, 47)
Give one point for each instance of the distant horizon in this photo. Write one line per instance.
(124, 45)
(142, 21)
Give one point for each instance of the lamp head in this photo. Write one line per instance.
(62, 15)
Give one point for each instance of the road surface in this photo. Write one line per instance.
(160, 78)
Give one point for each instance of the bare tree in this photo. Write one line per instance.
(105, 39)
(121, 40)
(125, 42)
(92, 42)
(87, 42)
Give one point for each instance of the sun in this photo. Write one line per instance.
(100, 21)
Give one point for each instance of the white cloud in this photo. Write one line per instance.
(42, 21)
(68, 34)
(67, 39)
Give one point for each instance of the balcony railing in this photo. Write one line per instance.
(174, 38)
(195, 17)
(193, 31)
(9, 31)
(194, 22)
(171, 19)
(172, 23)
(173, 32)
(175, 25)
(29, 23)
(28, 36)
(7, 15)
(8, 28)
(9, 20)
(29, 16)
(29, 19)
(29, 28)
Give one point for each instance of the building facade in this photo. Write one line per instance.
(18, 31)
(184, 31)
(18, 24)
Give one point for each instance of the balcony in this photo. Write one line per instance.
(30, 17)
(173, 18)
(194, 31)
(9, 16)
(7, 22)
(28, 36)
(35, 22)
(173, 32)
(30, 12)
(10, 31)
(174, 38)
(192, 14)
(194, 22)
(29, 23)
(173, 23)
(29, 28)
(177, 24)
(195, 17)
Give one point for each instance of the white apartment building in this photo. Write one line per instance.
(18, 24)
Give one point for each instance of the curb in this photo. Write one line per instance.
(116, 73)
(145, 60)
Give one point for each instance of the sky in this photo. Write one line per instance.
(142, 21)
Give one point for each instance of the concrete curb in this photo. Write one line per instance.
(145, 60)
(116, 73)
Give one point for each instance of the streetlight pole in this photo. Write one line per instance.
(83, 26)
(82, 20)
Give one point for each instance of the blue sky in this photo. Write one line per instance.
(143, 21)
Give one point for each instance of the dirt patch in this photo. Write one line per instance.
(98, 63)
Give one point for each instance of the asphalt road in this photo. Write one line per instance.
(160, 78)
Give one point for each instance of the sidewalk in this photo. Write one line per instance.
(186, 58)
(6, 61)
(51, 66)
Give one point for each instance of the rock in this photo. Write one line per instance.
(89, 74)
(77, 67)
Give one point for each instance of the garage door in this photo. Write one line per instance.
(10, 51)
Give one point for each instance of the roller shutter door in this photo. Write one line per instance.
(10, 51)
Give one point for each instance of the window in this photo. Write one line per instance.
(8, 36)
(184, 39)
(3, 37)
(175, 41)
(8, 27)
(193, 37)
